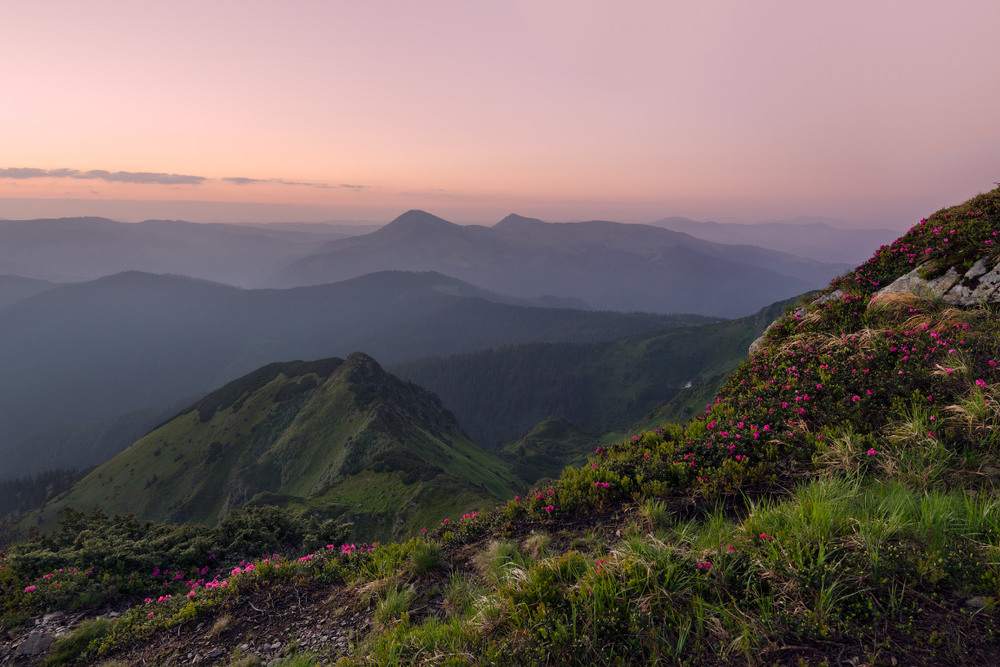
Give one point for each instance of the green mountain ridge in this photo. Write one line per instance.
(339, 438)
(499, 394)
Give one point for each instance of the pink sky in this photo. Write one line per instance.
(878, 112)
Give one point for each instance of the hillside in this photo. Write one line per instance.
(87, 365)
(501, 393)
(16, 288)
(606, 264)
(836, 503)
(340, 438)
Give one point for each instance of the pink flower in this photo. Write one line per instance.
(872, 452)
(29, 589)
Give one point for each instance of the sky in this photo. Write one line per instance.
(874, 112)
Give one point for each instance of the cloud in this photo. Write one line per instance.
(27, 172)
(154, 178)
(142, 177)
(241, 180)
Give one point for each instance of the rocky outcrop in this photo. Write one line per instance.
(977, 285)
(800, 311)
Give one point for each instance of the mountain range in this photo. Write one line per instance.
(608, 265)
(80, 249)
(128, 347)
(604, 264)
(821, 239)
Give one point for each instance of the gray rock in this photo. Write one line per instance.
(978, 269)
(980, 284)
(977, 602)
(832, 296)
(53, 617)
(36, 643)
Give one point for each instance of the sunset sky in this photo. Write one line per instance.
(293, 110)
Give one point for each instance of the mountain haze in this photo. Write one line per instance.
(16, 288)
(89, 352)
(79, 249)
(606, 264)
(814, 238)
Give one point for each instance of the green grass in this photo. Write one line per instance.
(69, 647)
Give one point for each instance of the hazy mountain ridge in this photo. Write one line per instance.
(607, 264)
(88, 352)
(80, 249)
(813, 238)
(16, 288)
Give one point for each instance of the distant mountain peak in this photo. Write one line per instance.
(515, 219)
(417, 219)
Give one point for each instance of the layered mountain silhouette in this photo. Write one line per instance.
(16, 288)
(123, 345)
(341, 438)
(77, 249)
(606, 264)
(815, 238)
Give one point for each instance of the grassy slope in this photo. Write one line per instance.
(343, 439)
(789, 523)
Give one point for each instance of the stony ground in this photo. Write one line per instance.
(267, 626)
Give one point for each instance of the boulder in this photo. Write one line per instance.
(977, 285)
